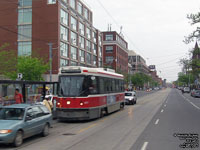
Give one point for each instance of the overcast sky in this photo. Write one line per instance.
(155, 29)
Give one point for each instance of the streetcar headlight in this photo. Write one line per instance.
(68, 102)
(81, 103)
(58, 104)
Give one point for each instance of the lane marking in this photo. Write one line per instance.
(162, 111)
(165, 105)
(190, 102)
(84, 129)
(144, 146)
(156, 121)
(194, 105)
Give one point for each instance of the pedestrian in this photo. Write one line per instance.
(18, 97)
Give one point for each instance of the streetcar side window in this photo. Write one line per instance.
(93, 85)
(108, 85)
(117, 85)
(101, 85)
(113, 86)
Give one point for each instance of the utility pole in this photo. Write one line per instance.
(50, 61)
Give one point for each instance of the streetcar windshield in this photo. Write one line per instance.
(71, 85)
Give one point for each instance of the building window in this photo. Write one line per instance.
(64, 17)
(94, 35)
(88, 58)
(73, 63)
(63, 62)
(95, 60)
(100, 40)
(100, 52)
(24, 48)
(63, 49)
(109, 59)
(88, 45)
(72, 3)
(88, 33)
(82, 56)
(73, 23)
(109, 49)
(109, 37)
(100, 62)
(73, 38)
(73, 53)
(94, 47)
(86, 13)
(63, 33)
(24, 32)
(81, 28)
(51, 1)
(80, 8)
(25, 16)
(25, 3)
(81, 42)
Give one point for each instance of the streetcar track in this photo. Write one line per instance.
(113, 122)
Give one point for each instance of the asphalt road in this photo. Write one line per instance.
(176, 121)
(144, 93)
(117, 131)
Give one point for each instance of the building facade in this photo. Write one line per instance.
(115, 50)
(138, 63)
(30, 25)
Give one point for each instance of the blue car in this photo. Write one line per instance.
(21, 121)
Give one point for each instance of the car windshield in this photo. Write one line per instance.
(11, 114)
(128, 94)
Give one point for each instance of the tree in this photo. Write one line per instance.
(139, 79)
(31, 68)
(185, 79)
(8, 60)
(195, 20)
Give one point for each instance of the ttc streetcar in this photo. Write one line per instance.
(88, 93)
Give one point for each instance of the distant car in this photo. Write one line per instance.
(130, 97)
(186, 90)
(21, 121)
(195, 93)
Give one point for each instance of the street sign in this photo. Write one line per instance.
(19, 75)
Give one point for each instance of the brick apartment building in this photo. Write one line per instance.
(29, 25)
(115, 50)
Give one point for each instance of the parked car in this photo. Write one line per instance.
(186, 90)
(21, 121)
(195, 93)
(130, 97)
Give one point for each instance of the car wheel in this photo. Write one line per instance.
(18, 139)
(45, 131)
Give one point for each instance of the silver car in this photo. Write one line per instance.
(130, 97)
(20, 121)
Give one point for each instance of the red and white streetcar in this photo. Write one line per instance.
(88, 93)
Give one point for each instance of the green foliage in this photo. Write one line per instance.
(139, 79)
(8, 60)
(185, 79)
(32, 68)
